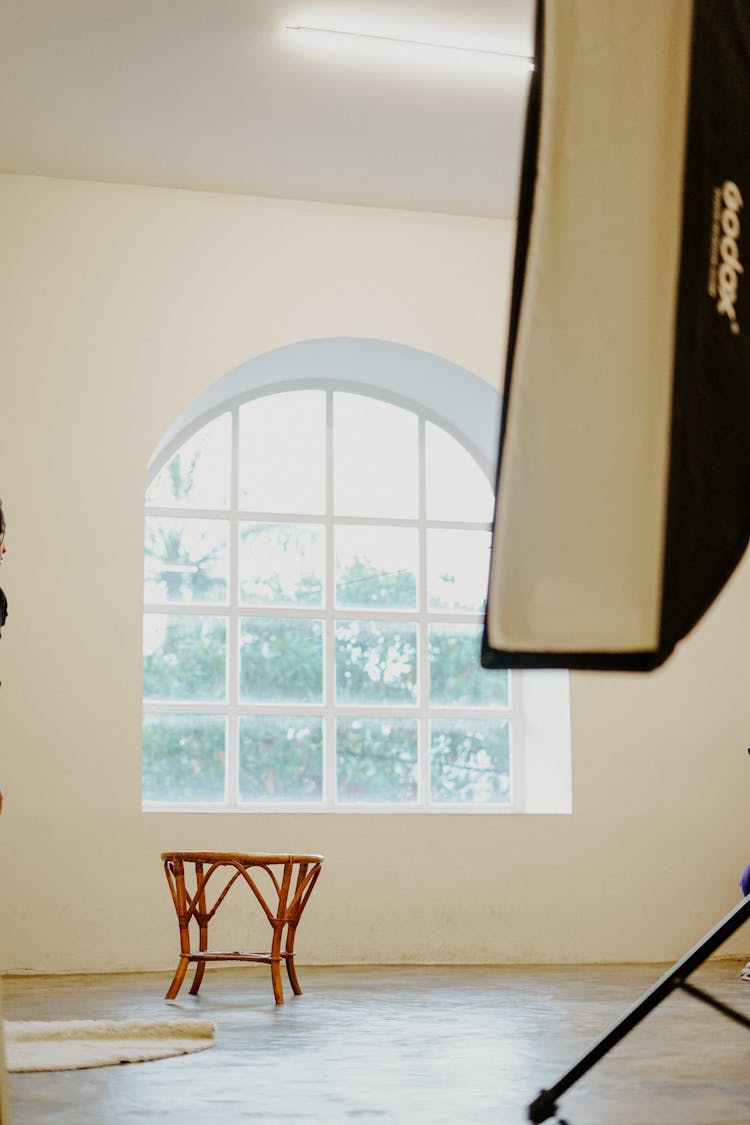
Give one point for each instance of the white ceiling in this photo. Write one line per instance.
(216, 95)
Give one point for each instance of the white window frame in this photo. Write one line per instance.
(547, 765)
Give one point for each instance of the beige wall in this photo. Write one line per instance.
(119, 306)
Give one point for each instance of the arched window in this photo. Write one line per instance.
(315, 571)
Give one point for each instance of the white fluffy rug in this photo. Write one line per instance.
(76, 1044)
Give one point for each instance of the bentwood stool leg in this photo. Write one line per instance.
(290, 969)
(202, 919)
(303, 890)
(293, 918)
(200, 969)
(278, 988)
(178, 978)
(177, 886)
(278, 931)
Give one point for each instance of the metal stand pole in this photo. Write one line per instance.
(544, 1106)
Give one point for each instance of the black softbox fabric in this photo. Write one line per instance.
(623, 489)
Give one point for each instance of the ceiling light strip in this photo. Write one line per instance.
(398, 42)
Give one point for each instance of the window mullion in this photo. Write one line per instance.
(423, 732)
(233, 638)
(517, 758)
(329, 638)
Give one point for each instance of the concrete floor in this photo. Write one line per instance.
(439, 1046)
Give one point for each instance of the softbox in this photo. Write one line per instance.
(623, 489)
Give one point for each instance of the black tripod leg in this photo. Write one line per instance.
(544, 1106)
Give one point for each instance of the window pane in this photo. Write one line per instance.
(457, 568)
(456, 675)
(183, 757)
(281, 660)
(376, 760)
(376, 566)
(281, 564)
(197, 475)
(376, 662)
(186, 560)
(283, 453)
(457, 489)
(469, 761)
(281, 759)
(184, 656)
(375, 458)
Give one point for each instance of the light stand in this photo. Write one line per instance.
(544, 1106)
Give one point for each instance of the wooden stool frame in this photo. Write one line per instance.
(292, 894)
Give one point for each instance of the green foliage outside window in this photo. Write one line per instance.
(281, 759)
(183, 758)
(470, 760)
(376, 760)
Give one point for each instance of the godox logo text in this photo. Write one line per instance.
(729, 265)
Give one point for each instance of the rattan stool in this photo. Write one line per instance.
(288, 880)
